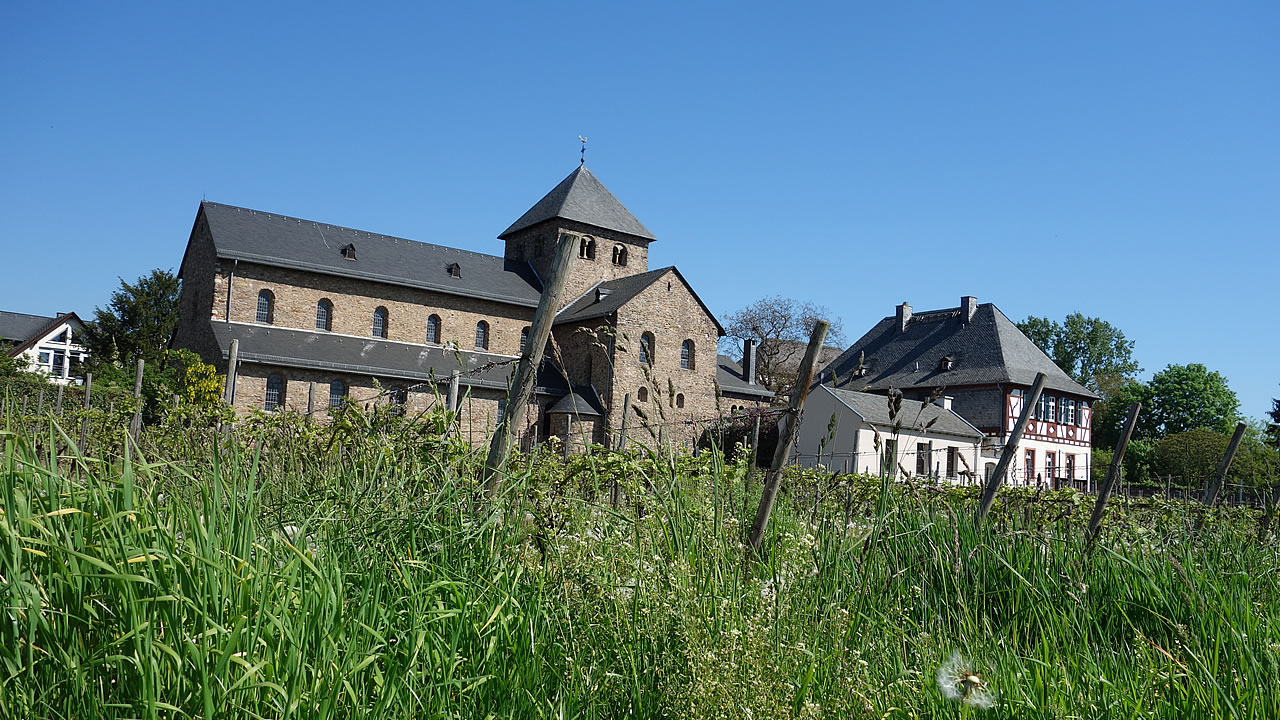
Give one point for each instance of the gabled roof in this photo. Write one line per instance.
(19, 327)
(580, 402)
(37, 327)
(592, 304)
(730, 379)
(874, 409)
(270, 345)
(282, 241)
(582, 198)
(987, 350)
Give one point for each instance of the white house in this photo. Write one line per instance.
(839, 427)
(47, 344)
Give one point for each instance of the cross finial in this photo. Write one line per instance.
(584, 150)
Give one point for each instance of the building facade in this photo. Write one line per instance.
(324, 314)
(978, 357)
(45, 344)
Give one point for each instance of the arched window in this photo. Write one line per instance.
(646, 348)
(433, 329)
(380, 322)
(619, 255)
(686, 355)
(680, 400)
(274, 397)
(642, 395)
(587, 249)
(337, 394)
(324, 315)
(266, 306)
(482, 335)
(524, 339)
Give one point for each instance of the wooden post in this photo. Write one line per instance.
(530, 359)
(40, 403)
(1113, 473)
(24, 405)
(233, 364)
(626, 411)
(787, 435)
(1215, 483)
(451, 400)
(84, 421)
(57, 408)
(1009, 451)
(311, 398)
(135, 425)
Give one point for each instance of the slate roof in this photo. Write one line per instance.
(988, 350)
(19, 327)
(582, 198)
(874, 409)
(729, 377)
(283, 241)
(620, 292)
(581, 401)
(270, 345)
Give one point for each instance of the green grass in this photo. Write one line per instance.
(288, 572)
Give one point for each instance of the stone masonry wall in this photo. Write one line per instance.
(199, 268)
(537, 246)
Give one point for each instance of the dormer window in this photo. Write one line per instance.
(455, 270)
(349, 251)
(947, 362)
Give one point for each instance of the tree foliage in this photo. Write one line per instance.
(1189, 397)
(1274, 427)
(1091, 350)
(1192, 457)
(139, 321)
(781, 328)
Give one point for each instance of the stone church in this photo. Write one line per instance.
(325, 314)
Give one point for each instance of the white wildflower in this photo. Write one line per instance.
(958, 681)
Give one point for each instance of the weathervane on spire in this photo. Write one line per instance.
(584, 150)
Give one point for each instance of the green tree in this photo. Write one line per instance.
(1192, 457)
(139, 321)
(1091, 350)
(1274, 427)
(1189, 397)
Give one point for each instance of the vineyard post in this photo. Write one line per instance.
(84, 421)
(530, 359)
(1215, 483)
(57, 408)
(135, 425)
(24, 405)
(1010, 449)
(755, 452)
(787, 435)
(614, 491)
(233, 361)
(311, 398)
(1113, 473)
(40, 403)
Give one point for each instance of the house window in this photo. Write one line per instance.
(587, 249)
(646, 349)
(686, 355)
(324, 315)
(1067, 411)
(337, 394)
(924, 455)
(524, 339)
(61, 338)
(1082, 419)
(266, 306)
(433, 329)
(679, 400)
(1071, 467)
(1050, 461)
(1029, 473)
(59, 363)
(619, 255)
(642, 395)
(482, 335)
(380, 322)
(398, 397)
(275, 393)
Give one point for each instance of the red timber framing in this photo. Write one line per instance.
(1057, 418)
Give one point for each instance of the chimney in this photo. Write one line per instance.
(602, 293)
(749, 361)
(904, 316)
(944, 402)
(968, 306)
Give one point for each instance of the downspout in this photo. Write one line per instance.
(231, 279)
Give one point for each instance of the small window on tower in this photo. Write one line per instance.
(619, 255)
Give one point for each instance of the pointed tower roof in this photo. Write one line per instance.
(582, 198)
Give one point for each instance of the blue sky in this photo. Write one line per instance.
(1116, 159)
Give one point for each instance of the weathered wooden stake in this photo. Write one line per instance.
(40, 403)
(135, 425)
(787, 430)
(615, 493)
(233, 365)
(1113, 473)
(311, 398)
(1009, 451)
(57, 408)
(530, 359)
(84, 422)
(1215, 483)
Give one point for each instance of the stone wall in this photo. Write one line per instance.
(537, 246)
(196, 305)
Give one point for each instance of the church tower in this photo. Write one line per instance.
(614, 243)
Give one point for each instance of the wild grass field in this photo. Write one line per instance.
(355, 571)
